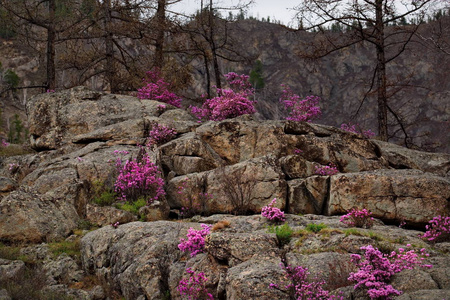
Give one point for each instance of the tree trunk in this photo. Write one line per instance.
(213, 46)
(109, 48)
(51, 53)
(381, 73)
(208, 76)
(160, 28)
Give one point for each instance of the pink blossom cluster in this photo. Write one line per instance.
(358, 218)
(326, 170)
(4, 143)
(240, 84)
(376, 269)
(156, 88)
(139, 178)
(229, 103)
(298, 151)
(194, 287)
(160, 134)
(352, 128)
(195, 242)
(13, 167)
(273, 213)
(438, 229)
(300, 110)
(301, 288)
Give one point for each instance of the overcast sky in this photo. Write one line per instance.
(279, 10)
(275, 9)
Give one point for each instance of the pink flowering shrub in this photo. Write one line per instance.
(298, 151)
(194, 288)
(438, 229)
(4, 143)
(300, 110)
(273, 213)
(195, 242)
(300, 287)
(376, 269)
(139, 178)
(358, 218)
(230, 103)
(155, 88)
(326, 170)
(160, 134)
(352, 128)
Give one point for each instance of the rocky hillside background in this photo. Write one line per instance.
(63, 236)
(418, 79)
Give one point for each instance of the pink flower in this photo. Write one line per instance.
(195, 242)
(300, 110)
(358, 218)
(230, 103)
(273, 213)
(157, 89)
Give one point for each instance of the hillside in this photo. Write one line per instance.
(419, 75)
(421, 86)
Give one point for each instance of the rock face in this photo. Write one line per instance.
(233, 166)
(240, 261)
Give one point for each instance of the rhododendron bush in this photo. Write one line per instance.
(137, 178)
(358, 218)
(300, 110)
(194, 287)
(273, 213)
(230, 102)
(353, 128)
(300, 287)
(155, 88)
(376, 269)
(195, 242)
(160, 134)
(438, 229)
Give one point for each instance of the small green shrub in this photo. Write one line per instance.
(14, 150)
(84, 225)
(284, 233)
(375, 236)
(107, 198)
(352, 231)
(312, 227)
(71, 248)
(134, 206)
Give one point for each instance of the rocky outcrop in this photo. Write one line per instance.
(233, 166)
(243, 259)
(241, 163)
(27, 216)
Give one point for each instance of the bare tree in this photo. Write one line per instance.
(366, 21)
(42, 22)
(209, 39)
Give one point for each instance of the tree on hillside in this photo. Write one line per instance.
(209, 39)
(121, 40)
(41, 22)
(365, 21)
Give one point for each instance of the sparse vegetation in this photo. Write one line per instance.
(71, 248)
(283, 232)
(134, 206)
(312, 227)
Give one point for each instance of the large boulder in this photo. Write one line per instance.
(409, 195)
(29, 217)
(80, 115)
(242, 187)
